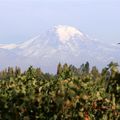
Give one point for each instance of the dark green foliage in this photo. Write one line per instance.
(59, 69)
(72, 94)
(85, 68)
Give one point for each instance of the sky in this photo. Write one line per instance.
(24, 19)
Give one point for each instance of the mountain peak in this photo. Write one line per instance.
(63, 44)
(65, 33)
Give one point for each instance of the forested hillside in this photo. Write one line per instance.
(70, 94)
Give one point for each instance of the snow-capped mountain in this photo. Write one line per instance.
(60, 44)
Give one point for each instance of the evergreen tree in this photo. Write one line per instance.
(87, 67)
(30, 73)
(82, 68)
(10, 72)
(59, 69)
(17, 71)
(95, 72)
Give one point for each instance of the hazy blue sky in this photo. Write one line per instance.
(22, 19)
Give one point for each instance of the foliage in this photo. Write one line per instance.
(71, 94)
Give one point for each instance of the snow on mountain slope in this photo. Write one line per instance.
(60, 38)
(65, 33)
(60, 44)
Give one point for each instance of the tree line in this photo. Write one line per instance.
(70, 94)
